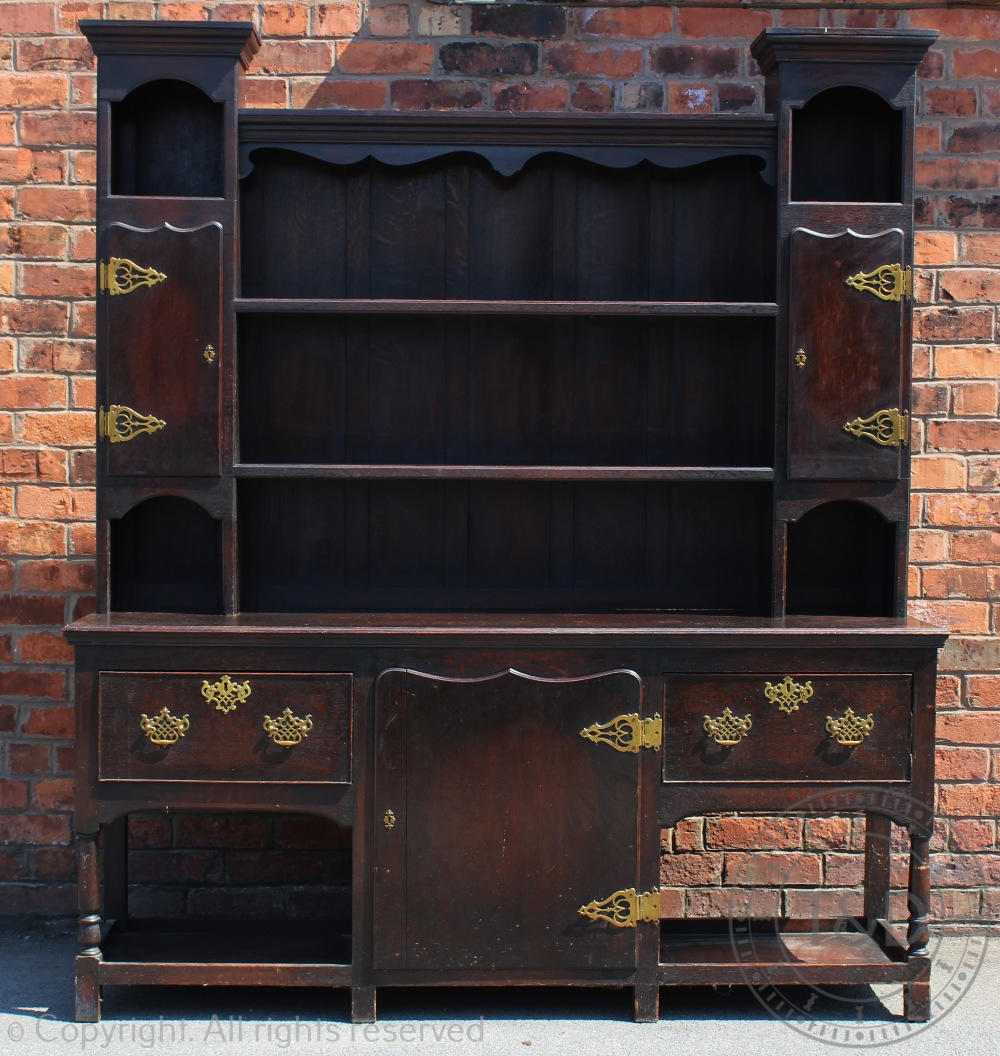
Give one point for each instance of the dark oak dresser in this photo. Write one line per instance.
(505, 488)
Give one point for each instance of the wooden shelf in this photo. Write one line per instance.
(786, 951)
(396, 306)
(679, 474)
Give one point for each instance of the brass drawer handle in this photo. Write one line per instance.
(728, 729)
(288, 730)
(788, 694)
(850, 729)
(225, 693)
(164, 729)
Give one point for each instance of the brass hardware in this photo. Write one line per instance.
(890, 282)
(800, 358)
(287, 730)
(624, 909)
(209, 354)
(389, 819)
(888, 428)
(627, 733)
(788, 695)
(728, 729)
(225, 693)
(119, 424)
(850, 729)
(164, 729)
(121, 275)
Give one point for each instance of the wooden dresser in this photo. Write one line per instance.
(505, 488)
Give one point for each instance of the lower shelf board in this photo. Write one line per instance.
(218, 952)
(788, 952)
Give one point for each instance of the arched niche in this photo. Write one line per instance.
(166, 140)
(841, 562)
(166, 556)
(847, 147)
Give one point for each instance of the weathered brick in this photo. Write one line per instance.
(983, 691)
(59, 428)
(688, 869)
(294, 56)
(955, 173)
(950, 102)
(52, 793)
(44, 648)
(29, 758)
(56, 203)
(633, 23)
(683, 98)
(825, 833)
(530, 96)
(32, 390)
(964, 436)
(953, 324)
(334, 20)
(733, 901)
(960, 581)
(975, 398)
(270, 92)
(33, 317)
(392, 20)
(967, 361)
(981, 248)
(747, 833)
(606, 62)
(939, 473)
(965, 511)
(54, 53)
(970, 801)
(969, 727)
(235, 830)
(695, 61)
(725, 24)
(970, 285)
(435, 95)
(737, 97)
(285, 20)
(13, 795)
(980, 138)
(773, 868)
(383, 56)
(28, 19)
(593, 98)
(482, 58)
(34, 829)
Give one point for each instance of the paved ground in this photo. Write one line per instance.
(36, 1016)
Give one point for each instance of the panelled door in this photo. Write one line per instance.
(846, 417)
(498, 816)
(162, 319)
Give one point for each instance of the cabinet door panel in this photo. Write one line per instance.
(495, 820)
(849, 366)
(156, 335)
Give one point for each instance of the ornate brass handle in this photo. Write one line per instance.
(164, 729)
(225, 693)
(788, 694)
(728, 729)
(288, 730)
(850, 729)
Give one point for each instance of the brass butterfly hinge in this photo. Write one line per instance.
(624, 909)
(120, 276)
(888, 427)
(627, 733)
(890, 282)
(119, 424)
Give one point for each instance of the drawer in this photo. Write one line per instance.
(786, 737)
(170, 726)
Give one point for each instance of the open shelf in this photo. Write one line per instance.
(439, 306)
(782, 951)
(226, 952)
(269, 471)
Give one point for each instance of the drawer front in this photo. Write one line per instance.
(787, 736)
(236, 726)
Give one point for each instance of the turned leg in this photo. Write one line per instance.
(917, 994)
(646, 1003)
(88, 989)
(878, 832)
(362, 1004)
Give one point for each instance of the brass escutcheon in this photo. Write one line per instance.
(788, 694)
(225, 694)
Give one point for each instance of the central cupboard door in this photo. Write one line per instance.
(495, 821)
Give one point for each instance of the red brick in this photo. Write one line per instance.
(684, 98)
(28, 19)
(382, 56)
(83, 89)
(824, 833)
(745, 832)
(733, 901)
(593, 98)
(54, 53)
(8, 718)
(182, 867)
(42, 648)
(689, 835)
(970, 285)
(681, 870)
(285, 20)
(972, 801)
(635, 23)
(969, 727)
(6, 648)
(964, 436)
(958, 581)
(960, 24)
(972, 835)
(981, 62)
(953, 324)
(980, 248)
(33, 317)
(13, 794)
(336, 20)
(55, 503)
(938, 473)
(288, 56)
(63, 128)
(54, 354)
(56, 203)
(830, 903)
(695, 61)
(950, 102)
(37, 240)
(270, 92)
(773, 868)
(606, 62)
(21, 682)
(83, 244)
(952, 904)
(35, 390)
(59, 428)
(736, 97)
(967, 361)
(13, 864)
(34, 829)
(955, 173)
(976, 398)
(392, 20)
(960, 617)
(927, 140)
(983, 691)
(963, 511)
(53, 793)
(530, 96)
(843, 870)
(435, 95)
(83, 542)
(961, 764)
(29, 758)
(518, 21)
(723, 24)
(53, 864)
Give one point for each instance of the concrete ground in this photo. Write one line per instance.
(36, 1016)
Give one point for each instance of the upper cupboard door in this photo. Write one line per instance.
(162, 331)
(497, 819)
(847, 417)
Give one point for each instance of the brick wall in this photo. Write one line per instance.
(547, 57)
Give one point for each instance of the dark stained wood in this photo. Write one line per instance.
(551, 798)
(513, 393)
(233, 745)
(851, 340)
(158, 333)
